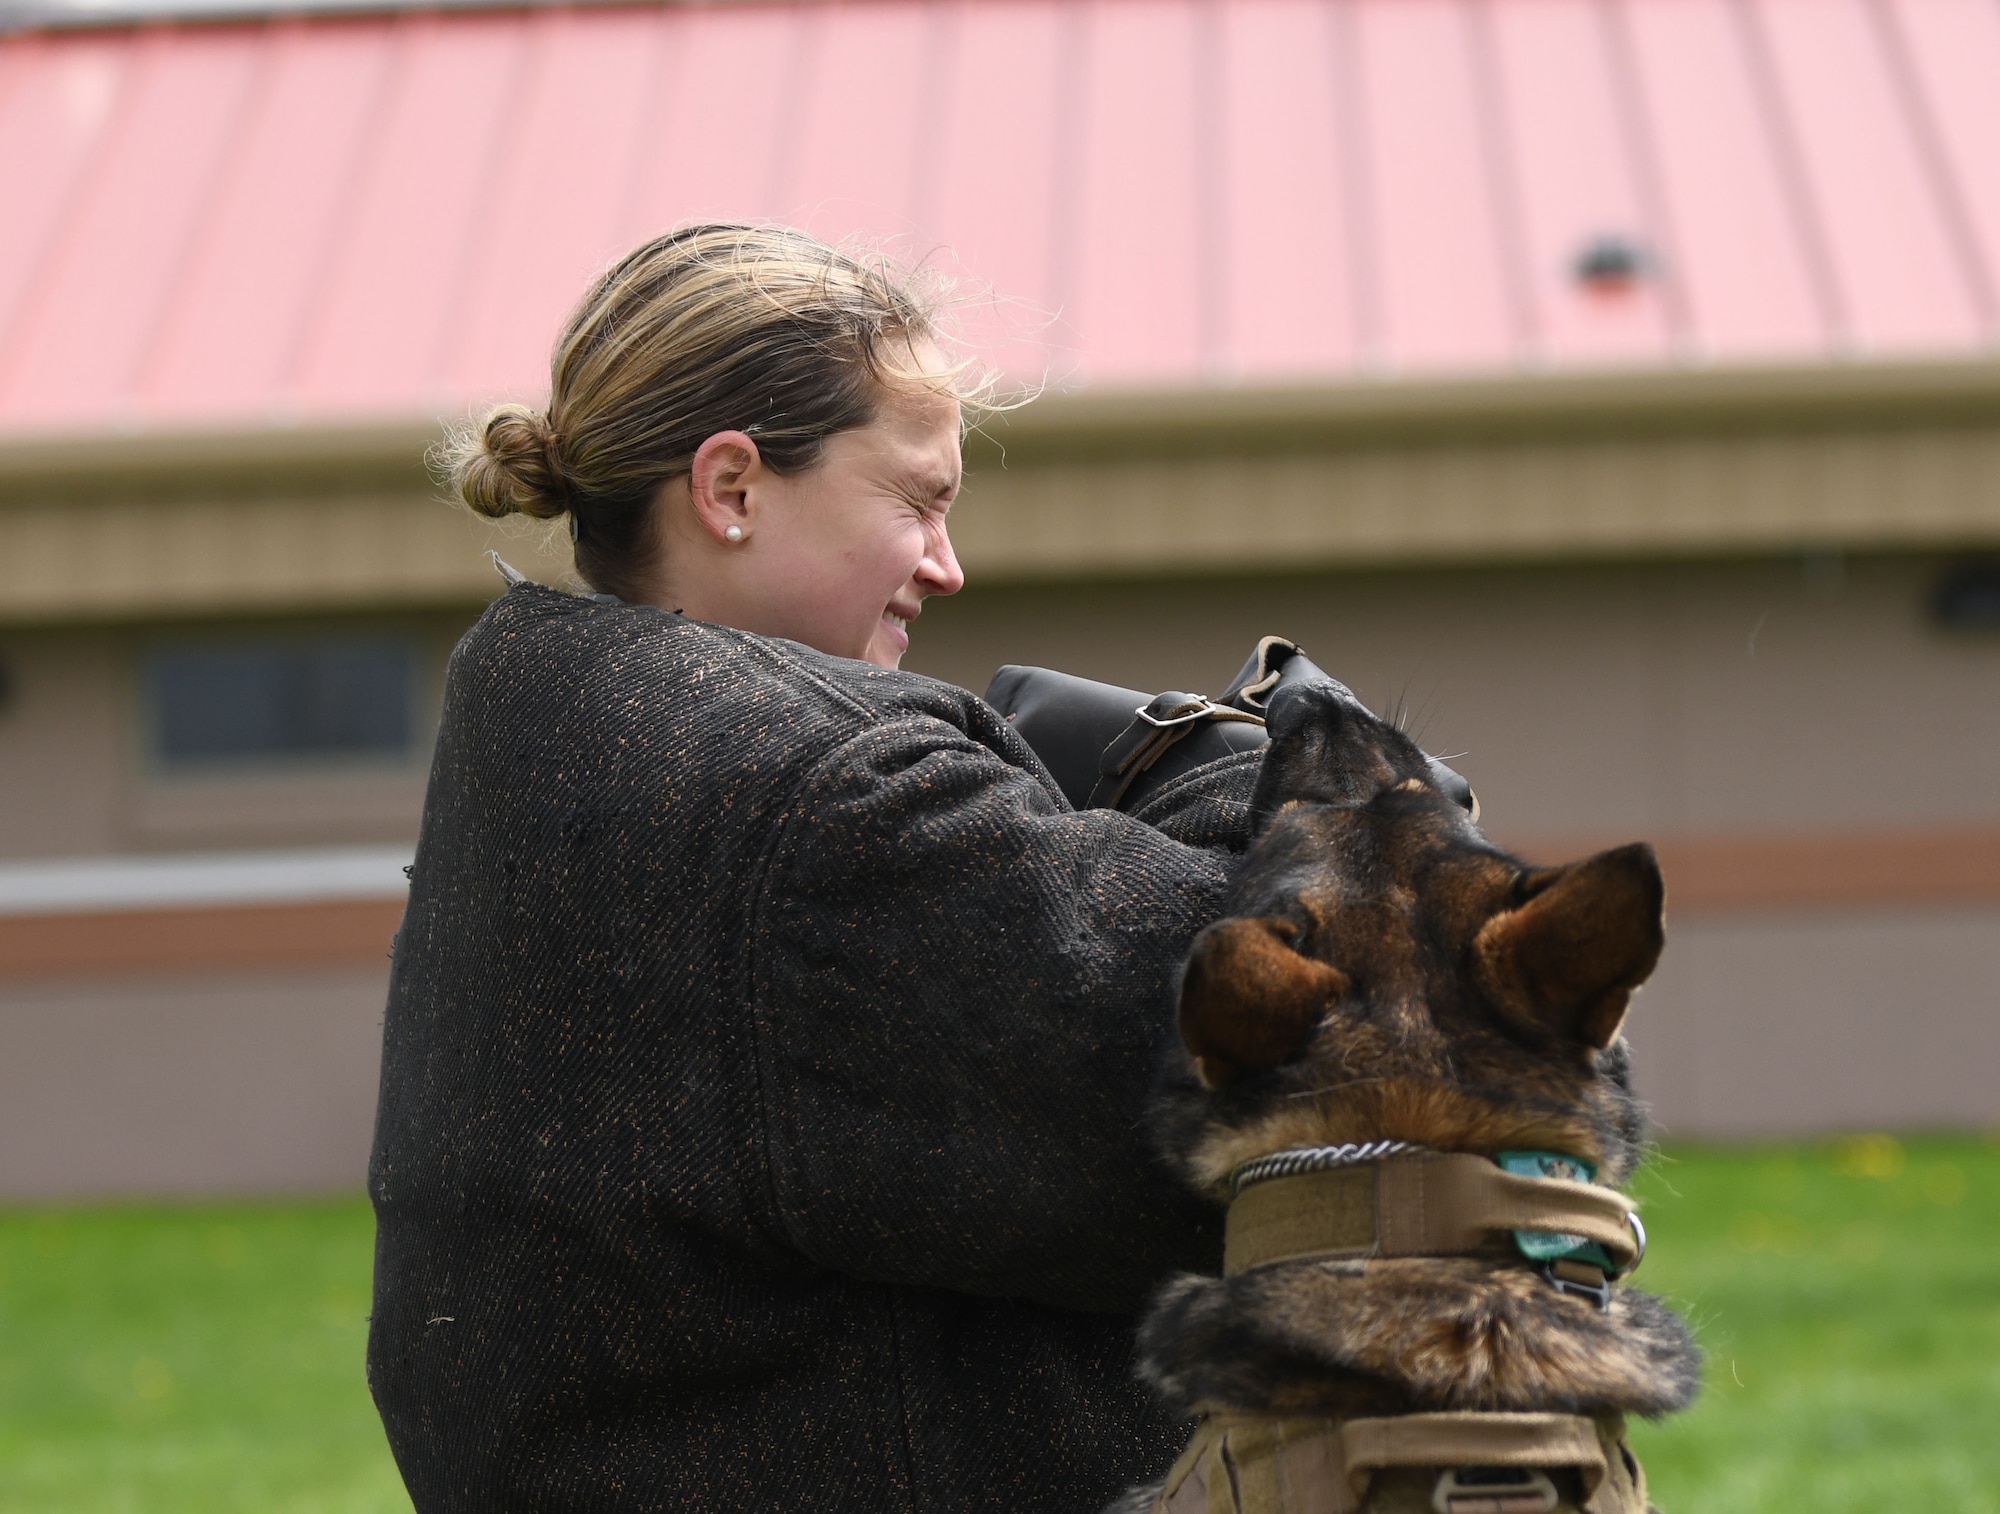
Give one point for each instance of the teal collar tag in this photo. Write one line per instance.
(1548, 1245)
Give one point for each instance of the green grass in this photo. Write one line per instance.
(207, 1359)
(1848, 1296)
(155, 1360)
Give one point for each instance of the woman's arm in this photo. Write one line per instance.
(958, 991)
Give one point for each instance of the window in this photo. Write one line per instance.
(1967, 598)
(278, 699)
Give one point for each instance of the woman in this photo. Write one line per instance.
(768, 1039)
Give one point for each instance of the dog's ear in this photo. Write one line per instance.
(1248, 1001)
(1565, 962)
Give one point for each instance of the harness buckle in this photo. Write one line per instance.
(1180, 709)
(1581, 1279)
(1493, 1490)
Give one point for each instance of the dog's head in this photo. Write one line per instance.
(1387, 973)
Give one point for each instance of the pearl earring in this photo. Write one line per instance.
(734, 533)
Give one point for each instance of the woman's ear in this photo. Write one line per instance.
(1248, 1000)
(719, 486)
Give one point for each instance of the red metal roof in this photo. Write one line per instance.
(341, 219)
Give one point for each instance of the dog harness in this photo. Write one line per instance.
(1465, 1463)
(1391, 1199)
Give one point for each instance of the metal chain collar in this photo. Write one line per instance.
(1286, 1164)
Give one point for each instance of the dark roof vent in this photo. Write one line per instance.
(1967, 598)
(1612, 262)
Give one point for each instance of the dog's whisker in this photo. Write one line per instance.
(1424, 711)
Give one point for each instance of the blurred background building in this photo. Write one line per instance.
(1614, 385)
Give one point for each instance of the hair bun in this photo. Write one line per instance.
(511, 463)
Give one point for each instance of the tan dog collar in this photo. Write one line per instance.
(1416, 1204)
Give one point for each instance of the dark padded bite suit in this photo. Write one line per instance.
(1112, 747)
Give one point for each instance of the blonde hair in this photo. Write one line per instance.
(760, 329)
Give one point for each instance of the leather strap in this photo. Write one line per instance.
(1433, 1204)
(1257, 679)
(1158, 725)
(1239, 1463)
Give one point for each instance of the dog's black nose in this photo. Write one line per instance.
(1454, 787)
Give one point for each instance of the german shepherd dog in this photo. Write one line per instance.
(1387, 975)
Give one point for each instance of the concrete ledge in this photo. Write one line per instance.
(201, 912)
(196, 880)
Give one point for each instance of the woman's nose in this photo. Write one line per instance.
(939, 571)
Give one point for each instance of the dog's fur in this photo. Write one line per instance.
(1387, 973)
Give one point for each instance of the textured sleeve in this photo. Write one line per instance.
(1208, 806)
(959, 990)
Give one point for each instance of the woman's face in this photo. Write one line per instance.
(850, 550)
(840, 557)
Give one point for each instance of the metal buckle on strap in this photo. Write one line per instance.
(1493, 1490)
(1159, 724)
(1583, 1279)
(1587, 1279)
(1187, 711)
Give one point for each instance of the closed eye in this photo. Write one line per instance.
(937, 492)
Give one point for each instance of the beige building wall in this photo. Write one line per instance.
(1860, 1017)
(1819, 763)
(1816, 759)
(232, 1082)
(1801, 695)
(75, 778)
(1688, 609)
(63, 742)
(1794, 694)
